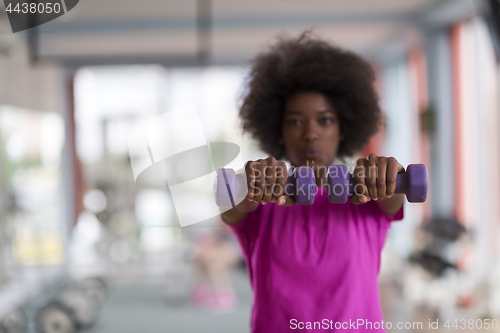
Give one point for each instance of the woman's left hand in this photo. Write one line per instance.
(375, 178)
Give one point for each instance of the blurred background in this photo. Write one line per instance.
(82, 247)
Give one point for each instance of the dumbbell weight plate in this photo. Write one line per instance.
(226, 187)
(13, 322)
(84, 307)
(93, 287)
(55, 318)
(418, 182)
(301, 186)
(338, 183)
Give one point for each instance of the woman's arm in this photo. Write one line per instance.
(237, 214)
(390, 206)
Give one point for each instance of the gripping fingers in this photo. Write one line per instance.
(266, 180)
(270, 175)
(281, 178)
(250, 172)
(360, 194)
(392, 173)
(260, 180)
(371, 176)
(381, 179)
(286, 201)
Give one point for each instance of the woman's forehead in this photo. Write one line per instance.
(308, 99)
(318, 112)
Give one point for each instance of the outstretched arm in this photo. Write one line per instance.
(390, 206)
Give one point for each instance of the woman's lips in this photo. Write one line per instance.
(311, 153)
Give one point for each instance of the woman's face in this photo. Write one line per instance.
(310, 130)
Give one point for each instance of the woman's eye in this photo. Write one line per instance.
(294, 122)
(326, 120)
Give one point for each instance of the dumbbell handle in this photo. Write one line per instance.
(401, 184)
(414, 183)
(228, 186)
(301, 185)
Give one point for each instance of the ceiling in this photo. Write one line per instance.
(201, 32)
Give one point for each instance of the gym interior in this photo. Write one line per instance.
(85, 247)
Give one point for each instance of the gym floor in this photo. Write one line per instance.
(138, 307)
(146, 306)
(144, 299)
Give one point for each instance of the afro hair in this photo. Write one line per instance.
(307, 63)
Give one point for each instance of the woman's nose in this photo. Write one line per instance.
(311, 132)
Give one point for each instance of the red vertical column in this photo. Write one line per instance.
(76, 166)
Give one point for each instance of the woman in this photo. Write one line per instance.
(313, 267)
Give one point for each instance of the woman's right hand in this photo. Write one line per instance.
(266, 181)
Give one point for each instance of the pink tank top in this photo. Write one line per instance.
(315, 268)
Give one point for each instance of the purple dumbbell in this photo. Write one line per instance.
(414, 183)
(230, 188)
